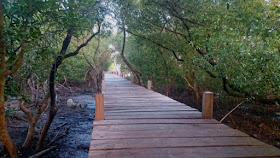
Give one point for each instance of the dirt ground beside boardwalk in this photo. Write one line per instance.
(77, 122)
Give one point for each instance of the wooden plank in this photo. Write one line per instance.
(198, 152)
(140, 108)
(133, 95)
(146, 105)
(139, 100)
(155, 121)
(164, 113)
(151, 116)
(119, 105)
(116, 144)
(149, 110)
(162, 127)
(167, 133)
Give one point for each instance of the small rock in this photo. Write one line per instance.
(71, 104)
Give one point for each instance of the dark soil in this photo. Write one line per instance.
(255, 119)
(79, 121)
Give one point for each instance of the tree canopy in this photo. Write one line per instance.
(234, 44)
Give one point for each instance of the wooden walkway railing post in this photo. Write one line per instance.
(99, 107)
(149, 86)
(99, 101)
(207, 105)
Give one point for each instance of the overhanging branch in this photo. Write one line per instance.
(158, 44)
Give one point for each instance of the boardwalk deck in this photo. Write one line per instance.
(145, 124)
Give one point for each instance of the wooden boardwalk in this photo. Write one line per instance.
(145, 124)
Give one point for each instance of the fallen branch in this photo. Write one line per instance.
(60, 136)
(39, 154)
(61, 125)
(20, 118)
(231, 111)
(15, 126)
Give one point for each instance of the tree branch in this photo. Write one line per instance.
(158, 44)
(21, 53)
(83, 44)
(26, 111)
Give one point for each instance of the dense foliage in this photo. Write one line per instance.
(227, 46)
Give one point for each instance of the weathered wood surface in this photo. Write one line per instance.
(145, 124)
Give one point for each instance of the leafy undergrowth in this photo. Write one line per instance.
(78, 121)
(255, 119)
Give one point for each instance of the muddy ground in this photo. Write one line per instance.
(78, 121)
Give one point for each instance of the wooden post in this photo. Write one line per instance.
(207, 105)
(103, 86)
(131, 79)
(99, 107)
(149, 86)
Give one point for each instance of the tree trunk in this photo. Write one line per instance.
(53, 108)
(194, 88)
(166, 73)
(167, 87)
(196, 92)
(46, 128)
(62, 55)
(30, 134)
(4, 135)
(98, 80)
(33, 120)
(136, 72)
